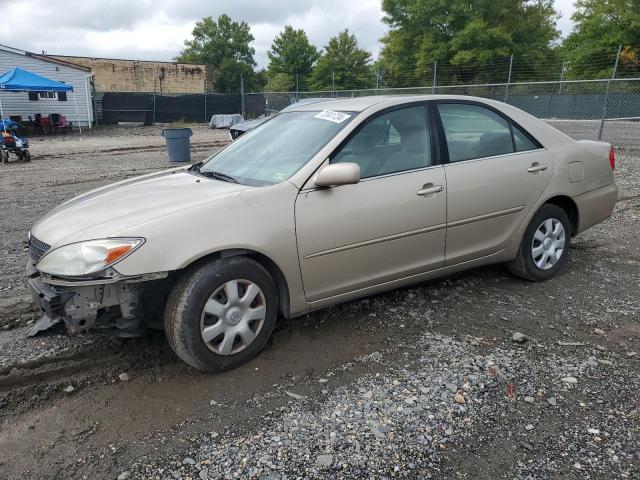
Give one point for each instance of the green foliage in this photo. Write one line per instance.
(344, 64)
(230, 72)
(291, 53)
(281, 82)
(471, 41)
(600, 27)
(259, 82)
(470, 36)
(224, 44)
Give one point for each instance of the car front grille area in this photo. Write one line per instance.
(37, 249)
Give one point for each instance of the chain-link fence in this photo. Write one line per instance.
(595, 97)
(574, 106)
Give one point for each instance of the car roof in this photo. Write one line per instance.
(359, 104)
(355, 104)
(304, 101)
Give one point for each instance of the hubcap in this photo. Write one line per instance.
(233, 317)
(548, 244)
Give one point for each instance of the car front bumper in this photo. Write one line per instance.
(114, 304)
(46, 298)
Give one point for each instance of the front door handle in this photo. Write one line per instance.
(429, 188)
(536, 167)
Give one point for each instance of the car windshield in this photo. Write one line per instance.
(276, 149)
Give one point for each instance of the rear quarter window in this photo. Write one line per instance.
(522, 141)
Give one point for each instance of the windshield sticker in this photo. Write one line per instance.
(280, 176)
(335, 117)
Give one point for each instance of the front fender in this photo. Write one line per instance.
(260, 220)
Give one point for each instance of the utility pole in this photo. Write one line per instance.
(333, 82)
(562, 75)
(551, 93)
(242, 106)
(435, 73)
(87, 88)
(506, 88)
(155, 79)
(606, 96)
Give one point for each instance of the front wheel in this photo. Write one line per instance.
(545, 245)
(221, 314)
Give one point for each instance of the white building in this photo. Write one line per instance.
(27, 104)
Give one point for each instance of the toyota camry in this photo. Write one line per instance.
(321, 204)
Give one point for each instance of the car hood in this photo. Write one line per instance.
(108, 210)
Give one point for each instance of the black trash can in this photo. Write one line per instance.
(178, 143)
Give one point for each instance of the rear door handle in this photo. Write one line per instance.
(536, 167)
(429, 188)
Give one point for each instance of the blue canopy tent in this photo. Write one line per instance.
(20, 80)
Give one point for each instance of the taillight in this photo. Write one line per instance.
(612, 158)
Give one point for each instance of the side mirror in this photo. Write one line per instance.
(337, 174)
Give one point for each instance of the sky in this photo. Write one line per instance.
(156, 29)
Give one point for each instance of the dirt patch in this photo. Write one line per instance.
(65, 412)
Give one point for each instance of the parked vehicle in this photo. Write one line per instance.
(236, 130)
(13, 142)
(322, 204)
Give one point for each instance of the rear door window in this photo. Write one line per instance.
(474, 132)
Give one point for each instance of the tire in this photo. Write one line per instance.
(535, 268)
(26, 156)
(186, 320)
(4, 156)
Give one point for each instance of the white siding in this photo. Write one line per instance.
(18, 103)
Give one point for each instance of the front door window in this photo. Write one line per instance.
(392, 142)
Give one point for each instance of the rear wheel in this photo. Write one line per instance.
(4, 156)
(545, 245)
(221, 314)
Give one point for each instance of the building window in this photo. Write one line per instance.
(33, 96)
(46, 95)
(62, 96)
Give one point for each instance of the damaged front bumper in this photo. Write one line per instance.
(114, 304)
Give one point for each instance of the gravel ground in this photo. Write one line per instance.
(476, 375)
(404, 422)
(63, 167)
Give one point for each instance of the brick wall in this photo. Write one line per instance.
(112, 75)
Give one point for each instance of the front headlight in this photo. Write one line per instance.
(85, 258)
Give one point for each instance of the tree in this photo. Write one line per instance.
(291, 53)
(229, 74)
(224, 44)
(469, 40)
(343, 64)
(600, 26)
(280, 82)
(260, 81)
